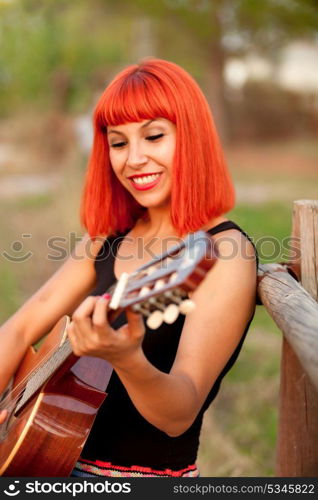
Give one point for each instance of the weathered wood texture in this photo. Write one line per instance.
(297, 444)
(294, 311)
(306, 228)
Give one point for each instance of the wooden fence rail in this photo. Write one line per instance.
(294, 311)
(294, 308)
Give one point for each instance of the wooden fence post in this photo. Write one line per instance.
(297, 444)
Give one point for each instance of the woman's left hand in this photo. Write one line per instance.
(90, 333)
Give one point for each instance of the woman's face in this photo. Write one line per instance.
(141, 154)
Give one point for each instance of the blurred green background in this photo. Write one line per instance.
(256, 63)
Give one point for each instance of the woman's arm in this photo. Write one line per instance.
(225, 302)
(60, 295)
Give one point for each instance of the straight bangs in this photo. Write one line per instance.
(133, 97)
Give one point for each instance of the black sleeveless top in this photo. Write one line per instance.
(120, 434)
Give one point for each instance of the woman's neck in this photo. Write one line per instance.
(157, 222)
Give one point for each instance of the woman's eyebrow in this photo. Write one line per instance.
(147, 123)
(114, 132)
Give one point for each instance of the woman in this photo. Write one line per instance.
(156, 173)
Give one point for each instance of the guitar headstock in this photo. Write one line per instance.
(159, 290)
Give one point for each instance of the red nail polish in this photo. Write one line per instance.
(106, 296)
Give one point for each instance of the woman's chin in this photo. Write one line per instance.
(153, 204)
(152, 200)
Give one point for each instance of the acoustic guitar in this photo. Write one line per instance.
(54, 396)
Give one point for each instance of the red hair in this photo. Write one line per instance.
(201, 184)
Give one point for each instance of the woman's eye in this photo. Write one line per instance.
(154, 137)
(118, 144)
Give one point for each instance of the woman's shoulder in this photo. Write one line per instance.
(232, 241)
(90, 246)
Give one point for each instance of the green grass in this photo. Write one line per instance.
(9, 292)
(253, 361)
(268, 219)
(35, 202)
(263, 321)
(269, 226)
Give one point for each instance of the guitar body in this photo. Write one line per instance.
(45, 437)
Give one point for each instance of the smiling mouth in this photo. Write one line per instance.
(144, 178)
(144, 181)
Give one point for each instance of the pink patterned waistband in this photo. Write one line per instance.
(98, 468)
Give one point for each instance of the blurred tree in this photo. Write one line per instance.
(58, 53)
(52, 51)
(220, 28)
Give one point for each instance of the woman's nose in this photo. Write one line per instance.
(136, 156)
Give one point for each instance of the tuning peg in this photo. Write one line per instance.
(144, 291)
(186, 306)
(154, 320)
(140, 309)
(173, 277)
(159, 284)
(171, 313)
(150, 270)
